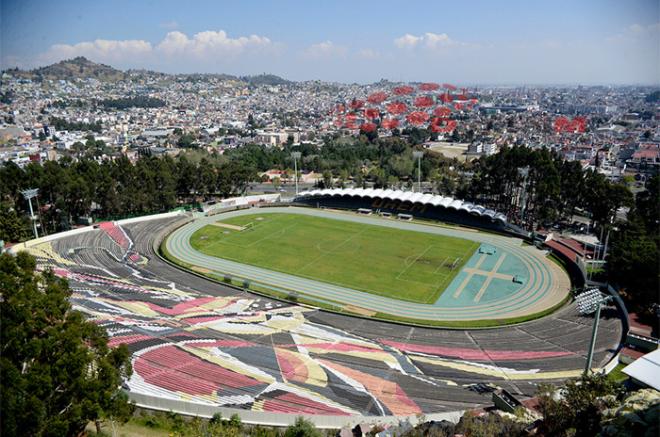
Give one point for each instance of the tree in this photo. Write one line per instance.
(489, 425)
(13, 228)
(302, 428)
(235, 421)
(578, 409)
(327, 179)
(637, 416)
(186, 141)
(57, 372)
(647, 205)
(633, 263)
(401, 166)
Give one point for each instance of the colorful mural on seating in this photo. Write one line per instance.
(242, 351)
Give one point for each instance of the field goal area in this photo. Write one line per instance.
(434, 266)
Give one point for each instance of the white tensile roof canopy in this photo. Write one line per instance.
(409, 196)
(646, 369)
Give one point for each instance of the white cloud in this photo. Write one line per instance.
(325, 49)
(407, 41)
(210, 43)
(434, 40)
(428, 40)
(101, 49)
(175, 45)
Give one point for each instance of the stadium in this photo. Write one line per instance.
(328, 306)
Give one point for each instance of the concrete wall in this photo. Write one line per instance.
(20, 246)
(145, 218)
(242, 201)
(278, 419)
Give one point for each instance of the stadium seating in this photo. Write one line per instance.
(117, 234)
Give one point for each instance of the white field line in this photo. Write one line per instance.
(349, 238)
(414, 261)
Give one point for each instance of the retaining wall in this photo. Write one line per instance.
(279, 419)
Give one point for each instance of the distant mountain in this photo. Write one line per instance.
(265, 79)
(76, 68)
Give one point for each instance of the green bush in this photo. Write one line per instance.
(302, 428)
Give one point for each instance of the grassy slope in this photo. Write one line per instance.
(405, 265)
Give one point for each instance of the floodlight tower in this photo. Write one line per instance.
(28, 195)
(588, 302)
(417, 154)
(296, 157)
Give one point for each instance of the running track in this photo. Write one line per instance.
(546, 286)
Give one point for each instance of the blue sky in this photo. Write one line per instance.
(508, 42)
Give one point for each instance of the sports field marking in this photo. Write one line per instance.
(495, 275)
(349, 238)
(467, 279)
(489, 277)
(416, 282)
(228, 226)
(441, 265)
(414, 261)
(231, 243)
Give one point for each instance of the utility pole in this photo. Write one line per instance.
(417, 154)
(296, 157)
(28, 195)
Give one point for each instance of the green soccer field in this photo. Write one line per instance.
(406, 265)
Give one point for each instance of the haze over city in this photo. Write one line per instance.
(510, 42)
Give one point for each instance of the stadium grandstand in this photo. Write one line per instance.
(422, 205)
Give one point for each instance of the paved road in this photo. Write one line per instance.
(547, 284)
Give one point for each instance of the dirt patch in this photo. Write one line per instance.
(360, 311)
(228, 226)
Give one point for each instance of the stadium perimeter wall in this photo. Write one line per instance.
(279, 419)
(20, 246)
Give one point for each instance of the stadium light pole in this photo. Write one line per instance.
(296, 157)
(589, 302)
(524, 172)
(28, 195)
(417, 154)
(607, 237)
